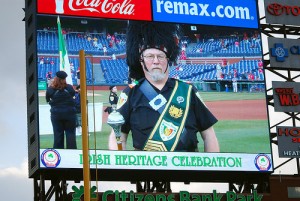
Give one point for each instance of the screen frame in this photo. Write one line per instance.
(171, 175)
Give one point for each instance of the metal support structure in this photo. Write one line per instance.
(248, 187)
(153, 186)
(58, 188)
(285, 31)
(270, 30)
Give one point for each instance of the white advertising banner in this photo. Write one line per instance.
(145, 160)
(95, 112)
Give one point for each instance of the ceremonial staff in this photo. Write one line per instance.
(116, 120)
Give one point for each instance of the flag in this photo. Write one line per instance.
(64, 63)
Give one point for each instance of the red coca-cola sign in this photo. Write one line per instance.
(118, 9)
(279, 9)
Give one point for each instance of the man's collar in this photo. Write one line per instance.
(169, 83)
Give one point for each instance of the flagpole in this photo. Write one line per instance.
(85, 137)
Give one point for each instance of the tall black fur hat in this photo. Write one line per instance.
(142, 35)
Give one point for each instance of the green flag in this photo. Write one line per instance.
(64, 63)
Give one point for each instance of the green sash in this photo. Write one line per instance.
(166, 133)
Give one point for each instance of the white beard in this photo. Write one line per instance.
(157, 76)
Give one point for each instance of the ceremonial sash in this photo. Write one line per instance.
(170, 125)
(152, 96)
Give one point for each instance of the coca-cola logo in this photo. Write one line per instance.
(278, 9)
(106, 6)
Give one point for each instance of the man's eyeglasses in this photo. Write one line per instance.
(151, 57)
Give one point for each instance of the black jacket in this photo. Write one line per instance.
(61, 100)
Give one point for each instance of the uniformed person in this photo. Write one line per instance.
(163, 114)
(60, 96)
(113, 98)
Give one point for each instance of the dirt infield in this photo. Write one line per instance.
(238, 110)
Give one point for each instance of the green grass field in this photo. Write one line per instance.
(236, 136)
(240, 136)
(102, 96)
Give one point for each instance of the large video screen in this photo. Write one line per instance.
(222, 61)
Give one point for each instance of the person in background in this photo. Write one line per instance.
(41, 60)
(60, 96)
(162, 113)
(49, 78)
(104, 50)
(234, 84)
(113, 98)
(78, 110)
(78, 76)
(219, 71)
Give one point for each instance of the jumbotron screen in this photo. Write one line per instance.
(220, 54)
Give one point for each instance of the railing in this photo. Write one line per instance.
(201, 61)
(256, 86)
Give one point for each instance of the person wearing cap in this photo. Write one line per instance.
(162, 113)
(113, 98)
(60, 97)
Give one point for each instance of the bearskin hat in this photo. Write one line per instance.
(142, 35)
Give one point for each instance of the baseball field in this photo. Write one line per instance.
(242, 126)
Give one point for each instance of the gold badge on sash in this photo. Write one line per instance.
(175, 112)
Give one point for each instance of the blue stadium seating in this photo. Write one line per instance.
(47, 66)
(47, 43)
(198, 72)
(116, 71)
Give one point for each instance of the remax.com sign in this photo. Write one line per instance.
(219, 13)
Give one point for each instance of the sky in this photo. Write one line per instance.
(15, 184)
